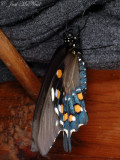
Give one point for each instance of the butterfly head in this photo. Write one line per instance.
(70, 39)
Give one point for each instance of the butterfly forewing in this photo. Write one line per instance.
(49, 126)
(39, 123)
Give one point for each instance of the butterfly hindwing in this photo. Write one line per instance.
(73, 85)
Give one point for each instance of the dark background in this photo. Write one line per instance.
(35, 28)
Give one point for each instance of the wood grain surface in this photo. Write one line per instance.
(99, 140)
(19, 68)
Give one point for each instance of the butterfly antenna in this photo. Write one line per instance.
(50, 27)
(67, 16)
(53, 31)
(84, 24)
(80, 29)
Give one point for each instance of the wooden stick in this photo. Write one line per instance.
(16, 64)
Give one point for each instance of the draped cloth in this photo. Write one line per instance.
(36, 27)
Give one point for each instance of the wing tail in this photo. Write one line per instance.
(67, 141)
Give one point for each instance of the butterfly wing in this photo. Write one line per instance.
(74, 84)
(62, 92)
(49, 126)
(45, 125)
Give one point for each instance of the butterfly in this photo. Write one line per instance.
(60, 105)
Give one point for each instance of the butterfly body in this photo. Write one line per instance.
(60, 106)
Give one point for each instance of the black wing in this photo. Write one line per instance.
(45, 126)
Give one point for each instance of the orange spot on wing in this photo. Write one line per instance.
(77, 108)
(59, 73)
(70, 118)
(62, 108)
(58, 94)
(80, 96)
(65, 116)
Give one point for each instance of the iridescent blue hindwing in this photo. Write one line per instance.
(70, 105)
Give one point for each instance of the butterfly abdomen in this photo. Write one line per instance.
(82, 75)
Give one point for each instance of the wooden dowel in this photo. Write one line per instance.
(16, 64)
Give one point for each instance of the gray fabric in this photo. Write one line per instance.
(35, 28)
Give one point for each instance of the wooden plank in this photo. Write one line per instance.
(19, 68)
(98, 140)
(75, 157)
